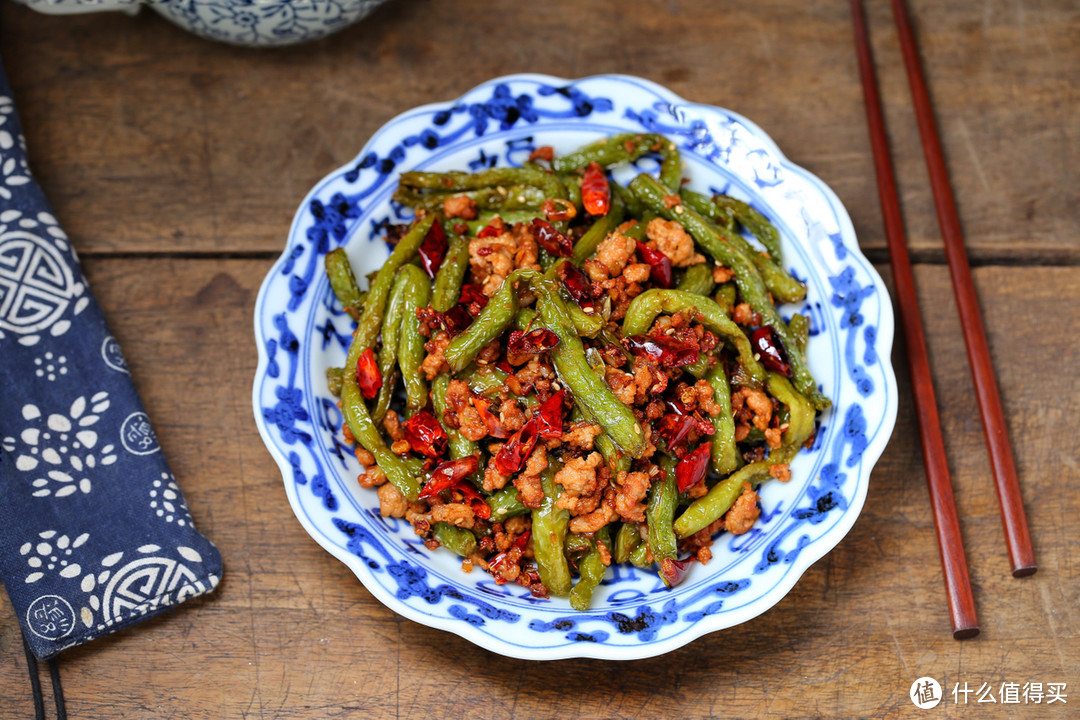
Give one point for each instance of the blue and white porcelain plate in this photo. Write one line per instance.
(301, 331)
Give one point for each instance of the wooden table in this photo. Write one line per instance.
(176, 165)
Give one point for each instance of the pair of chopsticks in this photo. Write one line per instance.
(1017, 537)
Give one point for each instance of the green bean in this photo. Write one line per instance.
(755, 222)
(364, 431)
(515, 197)
(711, 507)
(591, 571)
(725, 297)
(549, 527)
(627, 147)
(663, 497)
(596, 400)
(632, 204)
(491, 177)
(750, 285)
(697, 279)
(333, 380)
(506, 504)
(572, 183)
(801, 416)
(509, 218)
(486, 380)
(586, 245)
(639, 557)
(447, 288)
(702, 204)
(723, 454)
(646, 306)
(375, 305)
(340, 273)
(460, 446)
(490, 324)
(799, 326)
(410, 341)
(391, 334)
(783, 287)
(455, 539)
(616, 460)
(626, 541)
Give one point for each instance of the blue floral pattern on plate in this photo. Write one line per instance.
(301, 331)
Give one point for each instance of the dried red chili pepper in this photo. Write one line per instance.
(692, 468)
(470, 497)
(433, 249)
(532, 342)
(425, 434)
(473, 298)
(770, 351)
(551, 239)
(558, 210)
(595, 190)
(549, 416)
(368, 376)
(505, 367)
(659, 264)
(675, 424)
(453, 321)
(492, 229)
(674, 572)
(518, 448)
(544, 152)
(666, 351)
(448, 474)
(523, 539)
(491, 420)
(576, 282)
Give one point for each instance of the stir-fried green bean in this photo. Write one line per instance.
(391, 338)
(340, 273)
(723, 455)
(549, 528)
(628, 147)
(447, 287)
(626, 541)
(363, 429)
(591, 571)
(490, 324)
(515, 197)
(697, 279)
(712, 506)
(333, 380)
(799, 326)
(755, 222)
(646, 306)
(458, 182)
(506, 504)
(596, 400)
(586, 245)
(663, 498)
(410, 341)
(457, 540)
(751, 287)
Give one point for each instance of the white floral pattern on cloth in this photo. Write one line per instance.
(59, 451)
(168, 502)
(113, 587)
(38, 289)
(50, 366)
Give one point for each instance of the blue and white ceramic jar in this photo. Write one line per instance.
(240, 22)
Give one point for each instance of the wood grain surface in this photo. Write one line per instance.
(176, 165)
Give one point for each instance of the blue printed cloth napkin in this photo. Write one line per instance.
(94, 532)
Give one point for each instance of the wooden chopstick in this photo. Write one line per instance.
(954, 567)
(1017, 536)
